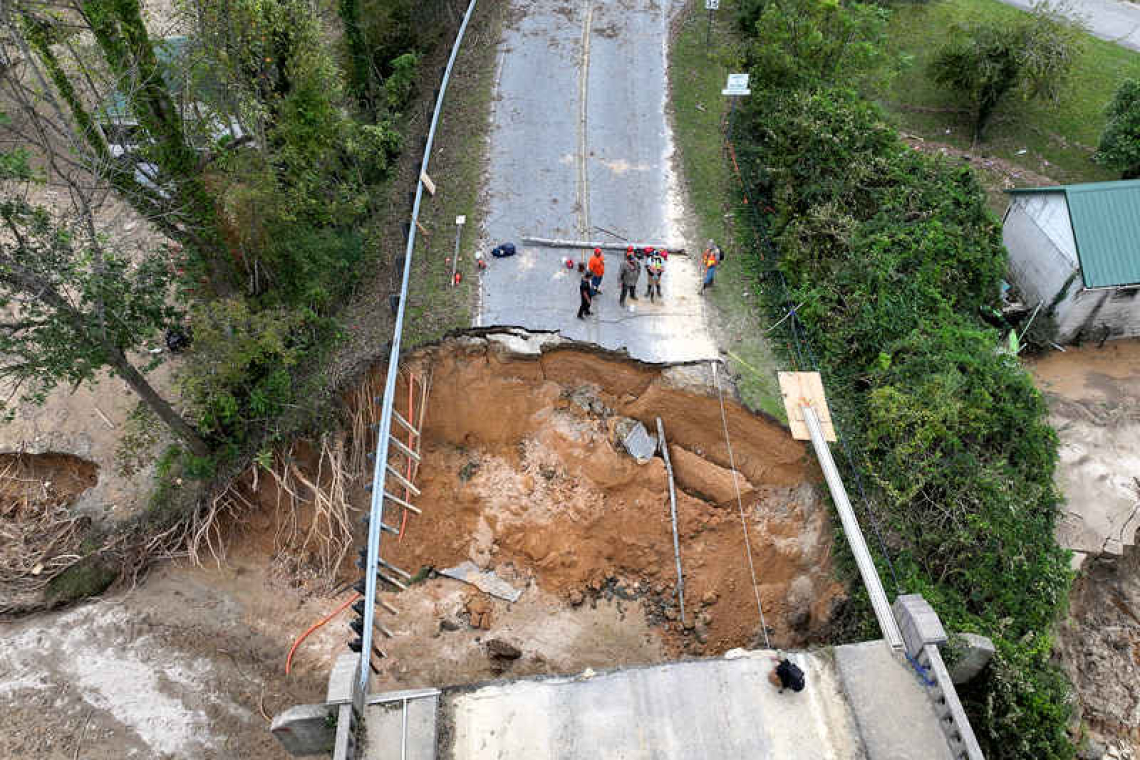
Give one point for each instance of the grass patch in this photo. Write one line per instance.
(459, 156)
(1058, 140)
(697, 73)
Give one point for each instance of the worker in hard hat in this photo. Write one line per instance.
(710, 259)
(654, 268)
(630, 272)
(585, 293)
(597, 268)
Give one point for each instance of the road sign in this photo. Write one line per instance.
(737, 85)
(712, 5)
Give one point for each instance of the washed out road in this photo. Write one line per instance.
(580, 140)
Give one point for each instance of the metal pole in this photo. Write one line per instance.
(673, 512)
(882, 607)
(708, 30)
(379, 466)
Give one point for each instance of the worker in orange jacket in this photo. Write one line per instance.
(710, 260)
(597, 269)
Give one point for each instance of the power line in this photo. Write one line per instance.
(740, 507)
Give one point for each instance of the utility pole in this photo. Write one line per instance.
(710, 6)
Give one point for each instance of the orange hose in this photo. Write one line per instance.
(313, 627)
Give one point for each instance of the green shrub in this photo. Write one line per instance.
(894, 256)
(1120, 142)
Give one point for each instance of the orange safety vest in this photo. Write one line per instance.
(597, 265)
(710, 259)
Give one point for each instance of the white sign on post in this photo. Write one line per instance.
(737, 85)
(712, 5)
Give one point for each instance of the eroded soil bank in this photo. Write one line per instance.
(522, 474)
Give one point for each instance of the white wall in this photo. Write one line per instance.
(1042, 252)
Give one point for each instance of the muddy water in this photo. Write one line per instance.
(1094, 402)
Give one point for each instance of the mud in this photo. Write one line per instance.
(1094, 404)
(50, 477)
(1099, 647)
(521, 475)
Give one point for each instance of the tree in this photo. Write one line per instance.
(1120, 141)
(813, 43)
(985, 62)
(81, 91)
(74, 306)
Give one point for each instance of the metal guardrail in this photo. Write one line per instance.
(379, 474)
(882, 607)
(951, 717)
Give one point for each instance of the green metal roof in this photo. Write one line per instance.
(1105, 217)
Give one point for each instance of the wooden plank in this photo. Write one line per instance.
(429, 185)
(801, 389)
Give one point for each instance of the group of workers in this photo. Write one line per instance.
(593, 272)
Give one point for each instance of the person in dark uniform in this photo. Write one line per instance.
(585, 292)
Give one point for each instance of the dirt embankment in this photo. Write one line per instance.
(521, 474)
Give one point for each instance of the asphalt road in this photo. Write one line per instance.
(580, 139)
(1113, 20)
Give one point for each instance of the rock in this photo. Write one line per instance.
(480, 611)
(1090, 750)
(702, 633)
(502, 650)
(577, 597)
(974, 653)
(670, 613)
(449, 624)
(704, 619)
(800, 619)
(705, 480)
(709, 598)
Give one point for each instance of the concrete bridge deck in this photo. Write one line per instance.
(861, 701)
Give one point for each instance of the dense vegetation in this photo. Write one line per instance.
(895, 260)
(260, 143)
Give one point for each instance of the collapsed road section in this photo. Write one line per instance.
(543, 542)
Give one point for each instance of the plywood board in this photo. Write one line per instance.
(801, 389)
(428, 184)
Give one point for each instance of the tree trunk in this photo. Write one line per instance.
(157, 403)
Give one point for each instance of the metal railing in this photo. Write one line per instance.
(380, 470)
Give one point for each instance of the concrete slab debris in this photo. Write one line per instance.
(304, 730)
(639, 443)
(978, 652)
(484, 580)
(893, 713)
(707, 708)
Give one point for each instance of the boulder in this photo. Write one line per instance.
(974, 653)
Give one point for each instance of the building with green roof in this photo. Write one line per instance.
(1075, 249)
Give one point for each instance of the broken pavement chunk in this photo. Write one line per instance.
(484, 580)
(636, 440)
